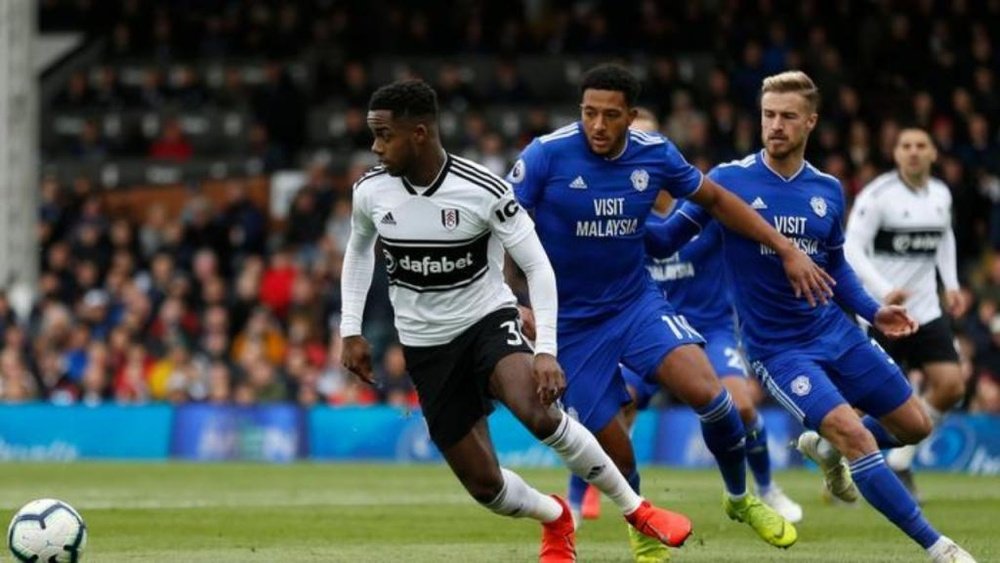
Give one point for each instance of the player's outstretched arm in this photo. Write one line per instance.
(530, 256)
(666, 235)
(808, 280)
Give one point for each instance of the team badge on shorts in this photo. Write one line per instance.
(640, 179)
(449, 218)
(819, 206)
(801, 386)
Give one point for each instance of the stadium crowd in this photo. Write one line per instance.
(224, 304)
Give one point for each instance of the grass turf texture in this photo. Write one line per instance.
(310, 512)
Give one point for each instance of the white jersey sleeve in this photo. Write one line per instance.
(359, 261)
(516, 231)
(862, 227)
(508, 220)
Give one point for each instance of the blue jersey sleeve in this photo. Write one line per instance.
(529, 174)
(683, 179)
(848, 291)
(665, 236)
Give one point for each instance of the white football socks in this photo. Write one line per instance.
(584, 456)
(520, 500)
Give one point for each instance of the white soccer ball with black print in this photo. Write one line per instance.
(47, 531)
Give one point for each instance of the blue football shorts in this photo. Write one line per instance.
(638, 337)
(811, 382)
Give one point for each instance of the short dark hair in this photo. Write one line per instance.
(612, 77)
(406, 98)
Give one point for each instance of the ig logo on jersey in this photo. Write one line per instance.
(819, 206)
(640, 179)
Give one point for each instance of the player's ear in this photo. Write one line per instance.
(420, 132)
(812, 120)
(632, 114)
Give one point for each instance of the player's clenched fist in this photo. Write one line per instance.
(357, 358)
(550, 382)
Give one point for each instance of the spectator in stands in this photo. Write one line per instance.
(186, 90)
(305, 224)
(152, 94)
(76, 95)
(261, 340)
(172, 144)
(271, 156)
(280, 106)
(90, 144)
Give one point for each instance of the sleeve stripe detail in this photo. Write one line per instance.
(477, 182)
(495, 185)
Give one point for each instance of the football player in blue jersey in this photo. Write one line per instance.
(693, 281)
(591, 186)
(814, 360)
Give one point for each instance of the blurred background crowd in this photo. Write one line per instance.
(228, 301)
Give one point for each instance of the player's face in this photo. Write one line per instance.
(914, 152)
(786, 119)
(606, 118)
(394, 143)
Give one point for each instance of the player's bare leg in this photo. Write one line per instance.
(758, 456)
(513, 383)
(944, 388)
(688, 375)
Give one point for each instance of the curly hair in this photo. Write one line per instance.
(612, 77)
(406, 98)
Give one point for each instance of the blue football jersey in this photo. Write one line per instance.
(808, 208)
(694, 280)
(590, 213)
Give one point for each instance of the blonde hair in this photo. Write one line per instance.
(793, 81)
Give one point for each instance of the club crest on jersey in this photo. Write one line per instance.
(640, 179)
(801, 386)
(449, 218)
(819, 206)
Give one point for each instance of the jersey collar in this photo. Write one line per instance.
(760, 157)
(428, 191)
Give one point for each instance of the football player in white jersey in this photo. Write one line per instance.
(443, 223)
(899, 238)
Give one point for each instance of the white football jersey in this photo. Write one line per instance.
(443, 246)
(898, 236)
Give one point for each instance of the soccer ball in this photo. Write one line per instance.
(47, 530)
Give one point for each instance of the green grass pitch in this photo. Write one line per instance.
(319, 512)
